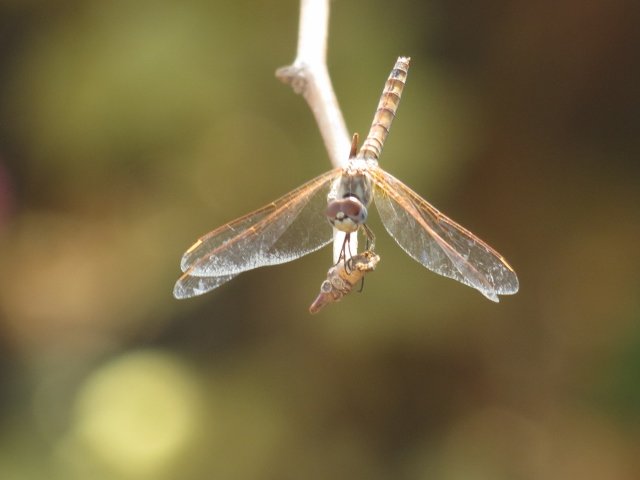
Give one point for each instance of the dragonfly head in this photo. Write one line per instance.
(346, 214)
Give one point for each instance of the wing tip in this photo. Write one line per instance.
(183, 288)
(493, 294)
(179, 291)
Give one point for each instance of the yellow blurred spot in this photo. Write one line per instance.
(137, 413)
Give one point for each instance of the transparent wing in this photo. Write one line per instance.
(188, 286)
(292, 226)
(437, 242)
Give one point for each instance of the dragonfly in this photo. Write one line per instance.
(296, 224)
(342, 277)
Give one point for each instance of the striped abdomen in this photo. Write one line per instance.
(386, 111)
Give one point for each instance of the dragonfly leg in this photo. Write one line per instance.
(370, 236)
(343, 250)
(348, 262)
(346, 256)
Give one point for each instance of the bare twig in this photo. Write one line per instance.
(308, 75)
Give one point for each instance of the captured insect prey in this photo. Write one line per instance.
(342, 277)
(296, 225)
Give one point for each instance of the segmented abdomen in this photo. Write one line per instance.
(386, 111)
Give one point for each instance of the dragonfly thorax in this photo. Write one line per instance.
(346, 214)
(349, 198)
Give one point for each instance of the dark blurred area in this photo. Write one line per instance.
(128, 129)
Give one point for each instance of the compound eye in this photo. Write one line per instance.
(352, 208)
(347, 207)
(326, 287)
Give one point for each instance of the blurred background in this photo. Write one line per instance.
(128, 129)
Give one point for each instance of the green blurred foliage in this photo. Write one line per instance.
(127, 129)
